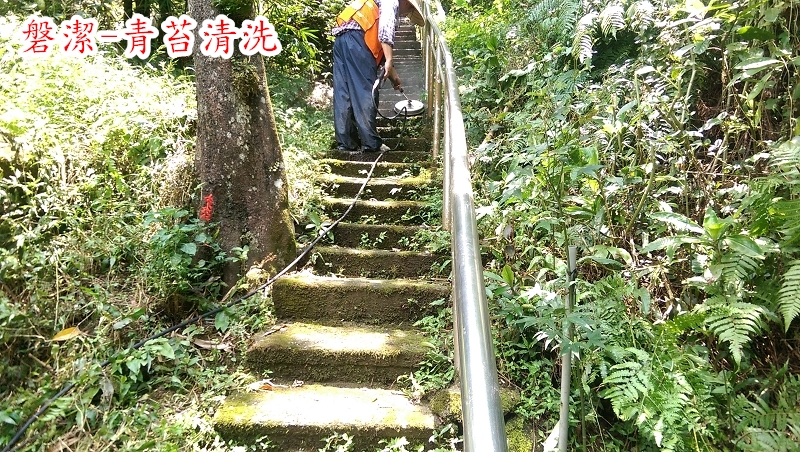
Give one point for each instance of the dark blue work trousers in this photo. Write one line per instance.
(354, 74)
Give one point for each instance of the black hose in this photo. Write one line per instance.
(69, 386)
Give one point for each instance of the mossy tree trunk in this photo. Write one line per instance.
(238, 156)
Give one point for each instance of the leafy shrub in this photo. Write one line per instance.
(657, 137)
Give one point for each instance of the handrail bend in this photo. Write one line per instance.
(484, 427)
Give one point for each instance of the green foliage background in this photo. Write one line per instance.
(661, 139)
(99, 230)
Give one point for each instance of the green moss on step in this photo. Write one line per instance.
(288, 424)
(518, 439)
(330, 344)
(330, 300)
(447, 402)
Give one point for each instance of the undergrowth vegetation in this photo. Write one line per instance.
(101, 245)
(661, 139)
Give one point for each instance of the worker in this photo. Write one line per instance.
(364, 38)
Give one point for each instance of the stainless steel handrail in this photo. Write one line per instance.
(484, 428)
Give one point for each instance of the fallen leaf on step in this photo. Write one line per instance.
(264, 385)
(276, 328)
(260, 386)
(208, 345)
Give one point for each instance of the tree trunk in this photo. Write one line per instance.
(238, 156)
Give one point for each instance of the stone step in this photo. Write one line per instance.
(300, 418)
(397, 126)
(408, 45)
(382, 169)
(405, 49)
(331, 300)
(395, 156)
(407, 59)
(355, 354)
(410, 84)
(402, 130)
(413, 144)
(405, 34)
(376, 263)
(392, 212)
(375, 236)
(410, 70)
(384, 188)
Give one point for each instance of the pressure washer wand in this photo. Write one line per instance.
(404, 95)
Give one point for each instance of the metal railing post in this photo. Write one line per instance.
(437, 102)
(566, 358)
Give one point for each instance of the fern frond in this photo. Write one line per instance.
(786, 157)
(583, 40)
(544, 9)
(621, 373)
(733, 323)
(789, 212)
(737, 268)
(612, 19)
(789, 295)
(765, 426)
(640, 14)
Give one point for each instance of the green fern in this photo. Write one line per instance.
(733, 323)
(611, 19)
(789, 212)
(770, 420)
(786, 157)
(789, 295)
(640, 14)
(553, 21)
(583, 40)
(544, 9)
(652, 392)
(737, 269)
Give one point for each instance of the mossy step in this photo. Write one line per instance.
(382, 169)
(406, 212)
(302, 417)
(331, 300)
(377, 187)
(375, 263)
(409, 144)
(374, 236)
(318, 353)
(397, 156)
(395, 128)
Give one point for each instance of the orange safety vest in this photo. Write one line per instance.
(366, 13)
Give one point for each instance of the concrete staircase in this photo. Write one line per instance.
(346, 322)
